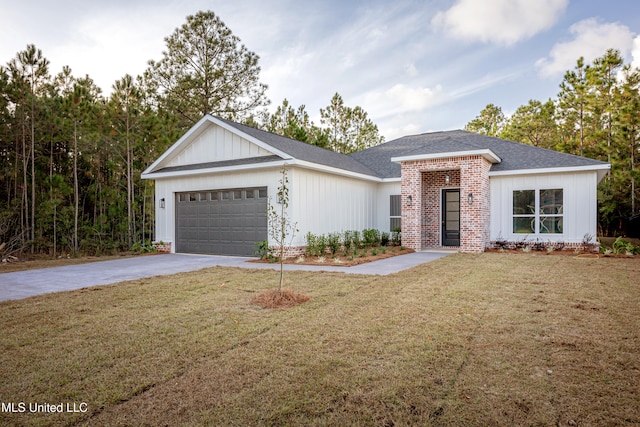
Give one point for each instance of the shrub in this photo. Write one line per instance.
(370, 237)
(384, 238)
(310, 238)
(321, 245)
(396, 237)
(347, 240)
(262, 250)
(333, 241)
(356, 240)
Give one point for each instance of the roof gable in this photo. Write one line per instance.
(207, 142)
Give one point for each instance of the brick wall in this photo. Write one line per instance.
(424, 180)
(162, 247)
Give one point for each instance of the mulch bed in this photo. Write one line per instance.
(340, 260)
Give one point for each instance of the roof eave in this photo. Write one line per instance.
(488, 154)
(601, 169)
(216, 170)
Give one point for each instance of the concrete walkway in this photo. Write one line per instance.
(22, 284)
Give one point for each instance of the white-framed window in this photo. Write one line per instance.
(538, 211)
(395, 213)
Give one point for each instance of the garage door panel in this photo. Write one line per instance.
(226, 222)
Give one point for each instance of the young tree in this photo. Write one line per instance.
(206, 70)
(281, 229)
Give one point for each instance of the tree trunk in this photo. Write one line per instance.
(76, 196)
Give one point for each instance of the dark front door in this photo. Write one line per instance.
(450, 217)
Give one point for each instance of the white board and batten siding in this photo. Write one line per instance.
(325, 203)
(215, 144)
(579, 204)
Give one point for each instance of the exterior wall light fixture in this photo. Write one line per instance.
(470, 198)
(447, 179)
(409, 200)
(162, 203)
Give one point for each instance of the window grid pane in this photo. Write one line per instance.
(538, 211)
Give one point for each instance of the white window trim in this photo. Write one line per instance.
(536, 214)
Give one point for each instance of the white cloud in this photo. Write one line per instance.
(635, 52)
(504, 22)
(591, 40)
(401, 98)
(397, 127)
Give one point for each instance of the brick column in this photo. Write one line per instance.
(423, 180)
(411, 213)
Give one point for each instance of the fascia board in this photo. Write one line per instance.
(486, 153)
(211, 171)
(569, 169)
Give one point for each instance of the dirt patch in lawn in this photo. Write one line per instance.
(280, 298)
(360, 256)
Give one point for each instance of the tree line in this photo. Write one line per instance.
(595, 114)
(71, 157)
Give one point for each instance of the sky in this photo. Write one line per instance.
(413, 66)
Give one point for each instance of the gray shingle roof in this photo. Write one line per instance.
(376, 161)
(303, 151)
(514, 156)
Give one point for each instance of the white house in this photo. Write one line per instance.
(443, 189)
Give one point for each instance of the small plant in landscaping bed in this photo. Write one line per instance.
(310, 239)
(500, 242)
(383, 249)
(396, 237)
(333, 242)
(374, 252)
(300, 259)
(588, 243)
(347, 240)
(538, 245)
(321, 259)
(356, 240)
(520, 244)
(384, 238)
(263, 251)
(370, 237)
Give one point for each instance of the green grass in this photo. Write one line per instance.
(491, 339)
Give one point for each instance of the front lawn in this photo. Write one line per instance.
(490, 339)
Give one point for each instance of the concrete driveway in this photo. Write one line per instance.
(24, 284)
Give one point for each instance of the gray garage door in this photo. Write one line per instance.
(221, 222)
